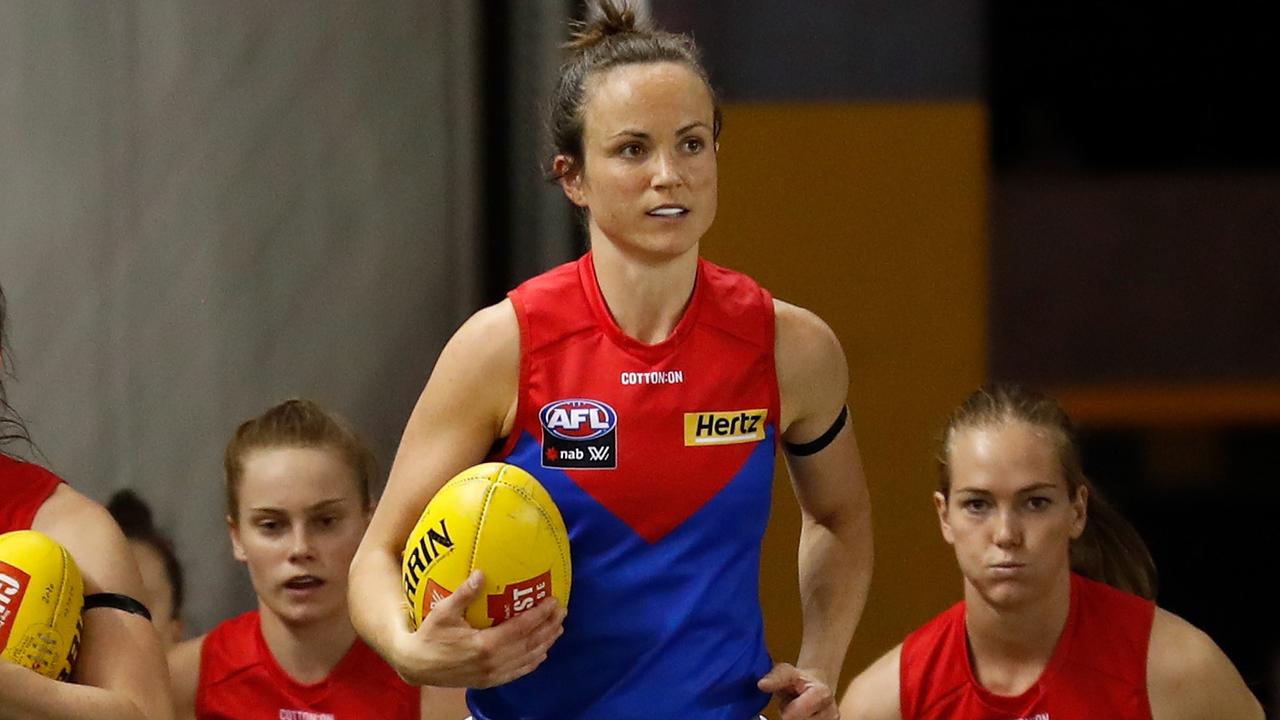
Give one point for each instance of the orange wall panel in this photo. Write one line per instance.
(875, 217)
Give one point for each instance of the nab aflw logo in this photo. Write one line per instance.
(579, 433)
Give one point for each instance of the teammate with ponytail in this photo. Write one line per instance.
(1058, 619)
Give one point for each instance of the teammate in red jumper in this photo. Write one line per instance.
(120, 671)
(647, 389)
(298, 501)
(1057, 621)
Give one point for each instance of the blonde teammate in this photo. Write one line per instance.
(1057, 620)
(298, 500)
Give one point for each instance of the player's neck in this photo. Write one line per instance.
(1009, 647)
(647, 297)
(309, 652)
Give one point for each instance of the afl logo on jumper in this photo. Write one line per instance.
(580, 434)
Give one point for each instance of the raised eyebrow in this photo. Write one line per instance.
(692, 125)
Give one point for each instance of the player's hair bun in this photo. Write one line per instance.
(606, 20)
(132, 514)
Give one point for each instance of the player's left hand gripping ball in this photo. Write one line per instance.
(41, 598)
(496, 518)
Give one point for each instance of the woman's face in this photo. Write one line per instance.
(300, 520)
(1009, 516)
(648, 175)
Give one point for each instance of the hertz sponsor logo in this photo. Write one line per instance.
(723, 428)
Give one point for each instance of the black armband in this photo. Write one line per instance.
(823, 440)
(116, 601)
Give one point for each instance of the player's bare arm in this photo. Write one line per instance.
(835, 544)
(1189, 677)
(468, 402)
(875, 693)
(120, 671)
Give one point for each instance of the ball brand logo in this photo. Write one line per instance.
(433, 543)
(579, 433)
(13, 585)
(578, 419)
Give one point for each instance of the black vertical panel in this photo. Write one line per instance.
(496, 211)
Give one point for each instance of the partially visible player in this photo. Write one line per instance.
(162, 582)
(1057, 620)
(298, 501)
(120, 672)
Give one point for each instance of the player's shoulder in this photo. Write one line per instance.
(490, 335)
(813, 374)
(874, 694)
(1177, 645)
(1189, 676)
(493, 321)
(805, 342)
(88, 532)
(800, 322)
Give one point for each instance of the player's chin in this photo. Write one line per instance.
(1007, 593)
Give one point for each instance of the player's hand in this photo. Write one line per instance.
(801, 695)
(446, 651)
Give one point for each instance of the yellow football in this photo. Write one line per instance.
(41, 597)
(496, 518)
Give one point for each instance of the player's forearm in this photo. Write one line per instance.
(376, 600)
(25, 695)
(835, 573)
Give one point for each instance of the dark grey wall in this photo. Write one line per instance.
(816, 50)
(1136, 278)
(211, 206)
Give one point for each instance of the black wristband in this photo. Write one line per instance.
(116, 601)
(823, 440)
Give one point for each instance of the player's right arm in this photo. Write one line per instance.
(184, 670)
(120, 673)
(875, 693)
(467, 404)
